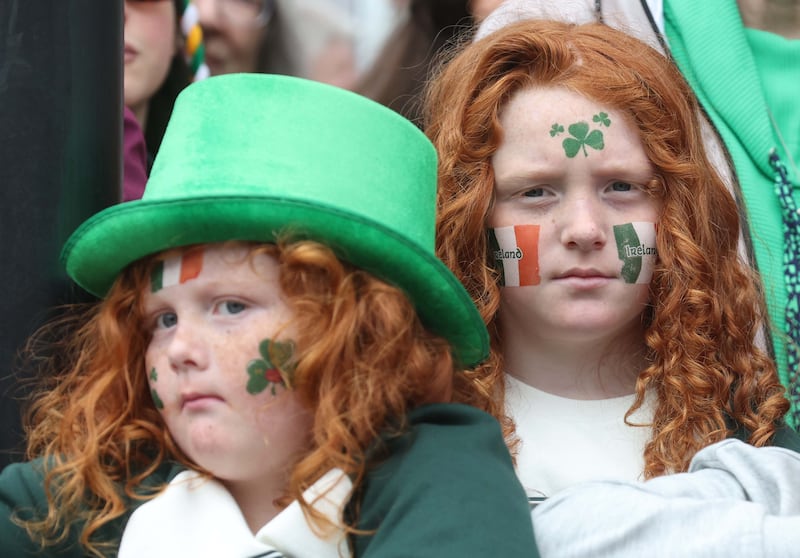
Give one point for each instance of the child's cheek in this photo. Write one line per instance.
(274, 369)
(636, 247)
(515, 252)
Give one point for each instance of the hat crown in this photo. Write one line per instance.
(251, 156)
(301, 141)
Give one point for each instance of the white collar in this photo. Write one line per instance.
(198, 517)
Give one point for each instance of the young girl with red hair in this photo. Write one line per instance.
(578, 208)
(275, 368)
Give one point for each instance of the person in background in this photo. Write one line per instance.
(382, 49)
(757, 118)
(134, 157)
(159, 62)
(402, 67)
(241, 36)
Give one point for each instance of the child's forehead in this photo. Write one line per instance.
(232, 251)
(220, 263)
(553, 103)
(194, 259)
(548, 129)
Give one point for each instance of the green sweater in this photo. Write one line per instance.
(744, 79)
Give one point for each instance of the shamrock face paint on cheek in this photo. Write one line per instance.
(273, 369)
(153, 393)
(636, 246)
(515, 252)
(177, 269)
(582, 136)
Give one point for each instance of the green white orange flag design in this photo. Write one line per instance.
(177, 269)
(515, 251)
(636, 246)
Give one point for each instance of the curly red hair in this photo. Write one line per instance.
(704, 363)
(363, 360)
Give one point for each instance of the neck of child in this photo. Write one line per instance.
(256, 500)
(587, 369)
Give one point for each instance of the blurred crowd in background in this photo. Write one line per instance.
(382, 49)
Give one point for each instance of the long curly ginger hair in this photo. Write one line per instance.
(363, 360)
(704, 364)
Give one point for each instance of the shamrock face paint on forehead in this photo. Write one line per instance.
(515, 252)
(636, 246)
(582, 136)
(176, 269)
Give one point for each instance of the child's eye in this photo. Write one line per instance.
(166, 320)
(534, 193)
(620, 186)
(229, 307)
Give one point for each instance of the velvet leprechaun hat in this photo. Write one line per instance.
(247, 156)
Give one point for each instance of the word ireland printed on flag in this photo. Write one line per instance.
(177, 269)
(636, 246)
(515, 251)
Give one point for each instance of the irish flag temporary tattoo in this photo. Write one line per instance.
(515, 251)
(582, 136)
(636, 246)
(153, 393)
(177, 269)
(273, 369)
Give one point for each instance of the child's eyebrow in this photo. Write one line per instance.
(529, 174)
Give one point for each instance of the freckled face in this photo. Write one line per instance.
(576, 169)
(214, 312)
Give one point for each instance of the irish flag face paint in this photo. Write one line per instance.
(177, 269)
(636, 246)
(515, 251)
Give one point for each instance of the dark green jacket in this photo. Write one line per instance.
(446, 489)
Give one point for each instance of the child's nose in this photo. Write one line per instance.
(187, 350)
(206, 12)
(583, 226)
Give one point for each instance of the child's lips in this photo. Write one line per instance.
(583, 273)
(130, 53)
(584, 277)
(197, 401)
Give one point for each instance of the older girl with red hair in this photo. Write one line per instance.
(579, 209)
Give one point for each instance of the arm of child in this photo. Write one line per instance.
(447, 489)
(736, 500)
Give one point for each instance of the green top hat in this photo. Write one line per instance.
(247, 156)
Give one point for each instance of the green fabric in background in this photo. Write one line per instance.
(740, 75)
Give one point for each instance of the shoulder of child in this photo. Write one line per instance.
(786, 437)
(452, 468)
(22, 494)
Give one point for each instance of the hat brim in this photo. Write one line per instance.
(109, 241)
